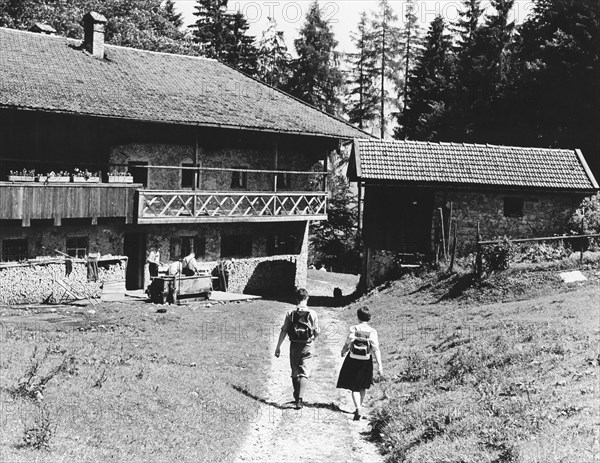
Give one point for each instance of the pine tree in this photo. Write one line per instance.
(239, 50)
(273, 59)
(485, 73)
(211, 27)
(223, 35)
(469, 21)
(316, 78)
(559, 91)
(412, 44)
(363, 97)
(388, 46)
(430, 89)
(172, 14)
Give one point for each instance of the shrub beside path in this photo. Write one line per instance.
(323, 431)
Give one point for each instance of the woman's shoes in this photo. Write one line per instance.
(299, 404)
(357, 415)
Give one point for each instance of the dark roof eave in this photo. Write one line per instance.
(470, 186)
(174, 122)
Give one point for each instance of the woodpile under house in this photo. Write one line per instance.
(219, 163)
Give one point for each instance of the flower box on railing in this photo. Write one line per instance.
(79, 179)
(21, 178)
(120, 179)
(59, 179)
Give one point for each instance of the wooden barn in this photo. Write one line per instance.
(411, 189)
(221, 163)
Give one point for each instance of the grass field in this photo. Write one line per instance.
(129, 384)
(469, 379)
(505, 371)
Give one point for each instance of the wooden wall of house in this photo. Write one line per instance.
(397, 219)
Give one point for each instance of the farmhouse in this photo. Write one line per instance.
(413, 190)
(221, 163)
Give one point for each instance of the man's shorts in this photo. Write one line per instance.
(301, 355)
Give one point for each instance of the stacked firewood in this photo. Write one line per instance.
(48, 282)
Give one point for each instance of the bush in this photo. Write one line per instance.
(498, 256)
(588, 212)
(39, 434)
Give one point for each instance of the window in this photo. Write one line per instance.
(139, 173)
(236, 245)
(281, 244)
(14, 250)
(239, 179)
(187, 176)
(513, 207)
(181, 246)
(77, 246)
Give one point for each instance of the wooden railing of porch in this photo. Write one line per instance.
(231, 206)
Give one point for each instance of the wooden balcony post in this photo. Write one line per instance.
(276, 164)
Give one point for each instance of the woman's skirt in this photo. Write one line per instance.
(355, 374)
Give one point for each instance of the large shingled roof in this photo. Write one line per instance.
(470, 164)
(51, 73)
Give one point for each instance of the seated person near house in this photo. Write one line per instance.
(189, 265)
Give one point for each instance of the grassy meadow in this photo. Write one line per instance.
(503, 372)
(129, 384)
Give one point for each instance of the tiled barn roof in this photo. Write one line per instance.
(51, 73)
(483, 165)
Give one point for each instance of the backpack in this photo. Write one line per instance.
(300, 329)
(360, 347)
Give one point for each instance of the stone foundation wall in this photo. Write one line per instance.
(543, 215)
(37, 283)
(263, 275)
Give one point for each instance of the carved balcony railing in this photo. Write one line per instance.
(232, 206)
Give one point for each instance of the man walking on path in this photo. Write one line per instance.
(302, 327)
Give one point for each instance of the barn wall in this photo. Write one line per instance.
(544, 214)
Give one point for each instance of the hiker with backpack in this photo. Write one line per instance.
(302, 328)
(357, 370)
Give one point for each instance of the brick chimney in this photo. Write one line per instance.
(93, 34)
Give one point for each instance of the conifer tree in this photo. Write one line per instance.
(240, 51)
(210, 29)
(316, 78)
(172, 15)
(388, 46)
(273, 59)
(430, 88)
(223, 35)
(412, 44)
(362, 97)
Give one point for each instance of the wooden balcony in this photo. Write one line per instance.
(27, 201)
(231, 206)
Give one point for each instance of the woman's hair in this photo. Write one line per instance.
(363, 314)
(301, 295)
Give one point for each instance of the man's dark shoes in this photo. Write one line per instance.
(299, 404)
(357, 415)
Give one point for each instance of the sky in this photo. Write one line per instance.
(343, 15)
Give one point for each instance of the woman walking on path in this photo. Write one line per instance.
(357, 371)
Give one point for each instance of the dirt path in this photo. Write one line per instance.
(324, 430)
